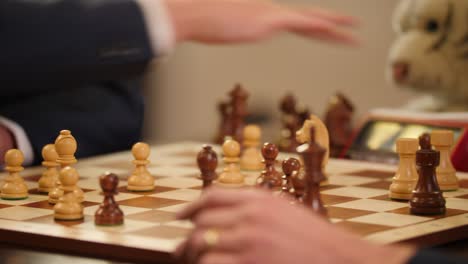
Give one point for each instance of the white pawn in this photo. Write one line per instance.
(231, 175)
(50, 176)
(406, 177)
(68, 207)
(442, 140)
(251, 158)
(14, 187)
(141, 179)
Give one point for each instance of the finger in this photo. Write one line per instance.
(229, 240)
(216, 197)
(330, 34)
(219, 258)
(221, 218)
(334, 17)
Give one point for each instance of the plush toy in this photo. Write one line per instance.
(430, 54)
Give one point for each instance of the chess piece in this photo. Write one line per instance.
(50, 176)
(68, 206)
(269, 177)
(65, 146)
(231, 175)
(238, 112)
(405, 179)
(251, 158)
(207, 161)
(427, 198)
(225, 124)
(141, 180)
(338, 119)
(290, 167)
(109, 213)
(14, 187)
(290, 122)
(312, 155)
(442, 140)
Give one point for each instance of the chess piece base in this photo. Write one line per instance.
(11, 196)
(448, 187)
(112, 220)
(427, 210)
(399, 196)
(67, 217)
(137, 188)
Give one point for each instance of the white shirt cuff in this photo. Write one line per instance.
(159, 25)
(21, 138)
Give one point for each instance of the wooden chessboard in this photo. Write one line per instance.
(356, 199)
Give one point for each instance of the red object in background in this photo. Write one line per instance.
(375, 138)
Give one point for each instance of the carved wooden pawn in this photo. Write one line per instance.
(50, 176)
(251, 158)
(68, 207)
(231, 175)
(290, 167)
(109, 213)
(270, 177)
(14, 187)
(442, 140)
(427, 198)
(405, 179)
(207, 161)
(141, 179)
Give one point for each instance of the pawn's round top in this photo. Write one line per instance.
(425, 141)
(68, 176)
(231, 148)
(207, 159)
(269, 151)
(49, 153)
(288, 104)
(141, 151)
(14, 158)
(65, 144)
(109, 182)
(290, 165)
(407, 145)
(442, 137)
(252, 133)
(239, 92)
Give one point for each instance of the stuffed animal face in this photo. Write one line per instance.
(431, 52)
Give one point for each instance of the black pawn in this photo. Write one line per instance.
(207, 161)
(109, 212)
(427, 198)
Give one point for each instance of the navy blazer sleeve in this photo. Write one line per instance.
(70, 40)
(427, 256)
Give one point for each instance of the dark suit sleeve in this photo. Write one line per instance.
(427, 256)
(71, 40)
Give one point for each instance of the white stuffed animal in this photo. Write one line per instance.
(430, 54)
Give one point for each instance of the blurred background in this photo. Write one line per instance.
(184, 88)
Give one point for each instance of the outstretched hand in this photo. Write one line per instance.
(253, 226)
(238, 21)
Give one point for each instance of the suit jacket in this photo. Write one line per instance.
(74, 64)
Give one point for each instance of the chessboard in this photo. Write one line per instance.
(356, 199)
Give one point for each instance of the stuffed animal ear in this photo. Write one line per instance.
(402, 16)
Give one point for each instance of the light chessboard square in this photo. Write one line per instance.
(390, 219)
(457, 203)
(97, 197)
(21, 213)
(32, 198)
(372, 205)
(128, 226)
(179, 182)
(180, 194)
(127, 210)
(349, 180)
(356, 192)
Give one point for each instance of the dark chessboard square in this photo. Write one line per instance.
(329, 187)
(37, 192)
(49, 219)
(157, 189)
(168, 232)
(150, 202)
(46, 205)
(345, 213)
(372, 174)
(362, 228)
(329, 199)
(448, 212)
(385, 185)
(5, 206)
(463, 183)
(463, 196)
(33, 178)
(153, 216)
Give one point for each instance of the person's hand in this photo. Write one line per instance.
(6, 142)
(253, 226)
(237, 21)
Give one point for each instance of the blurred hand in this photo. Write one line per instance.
(256, 227)
(237, 21)
(6, 142)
